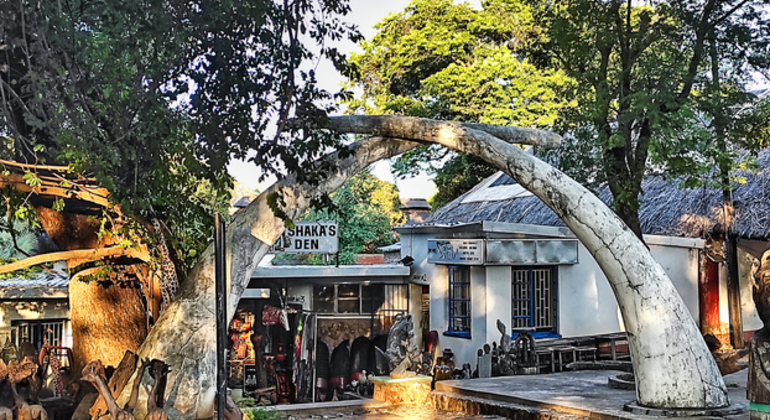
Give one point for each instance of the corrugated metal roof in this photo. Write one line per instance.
(44, 285)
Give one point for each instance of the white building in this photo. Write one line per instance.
(498, 252)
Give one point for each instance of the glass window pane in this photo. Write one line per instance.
(347, 290)
(323, 299)
(348, 306)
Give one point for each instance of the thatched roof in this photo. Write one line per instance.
(665, 209)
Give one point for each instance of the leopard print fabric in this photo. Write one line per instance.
(169, 282)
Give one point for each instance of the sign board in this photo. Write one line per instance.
(310, 238)
(456, 251)
(532, 252)
(250, 383)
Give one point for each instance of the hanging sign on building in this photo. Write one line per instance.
(456, 251)
(310, 238)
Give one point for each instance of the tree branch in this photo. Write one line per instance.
(97, 196)
(91, 254)
(392, 126)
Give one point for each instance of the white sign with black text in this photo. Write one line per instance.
(311, 238)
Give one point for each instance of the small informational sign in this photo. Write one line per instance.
(532, 252)
(456, 251)
(250, 383)
(310, 238)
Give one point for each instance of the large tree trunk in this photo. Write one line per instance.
(107, 318)
(184, 335)
(674, 368)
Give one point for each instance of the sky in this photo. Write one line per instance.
(364, 13)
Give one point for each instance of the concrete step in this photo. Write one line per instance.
(470, 405)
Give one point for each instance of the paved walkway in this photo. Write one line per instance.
(579, 393)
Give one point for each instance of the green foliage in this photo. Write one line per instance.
(153, 98)
(366, 208)
(17, 241)
(457, 176)
(644, 81)
(448, 61)
(262, 414)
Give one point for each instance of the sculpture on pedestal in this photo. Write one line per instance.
(758, 387)
(402, 350)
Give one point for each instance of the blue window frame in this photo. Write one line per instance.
(533, 299)
(459, 301)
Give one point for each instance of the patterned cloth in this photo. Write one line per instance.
(168, 281)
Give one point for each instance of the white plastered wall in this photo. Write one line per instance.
(34, 310)
(498, 301)
(587, 305)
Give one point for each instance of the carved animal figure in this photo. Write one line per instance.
(156, 400)
(17, 372)
(94, 373)
(398, 340)
(5, 412)
(134, 397)
(505, 341)
(25, 369)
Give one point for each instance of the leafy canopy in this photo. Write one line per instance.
(643, 72)
(366, 208)
(442, 60)
(153, 98)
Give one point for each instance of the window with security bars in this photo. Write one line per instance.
(533, 298)
(38, 332)
(361, 298)
(459, 301)
(381, 302)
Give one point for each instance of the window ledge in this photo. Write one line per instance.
(458, 334)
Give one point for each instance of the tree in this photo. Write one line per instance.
(147, 102)
(366, 209)
(449, 61)
(674, 368)
(639, 70)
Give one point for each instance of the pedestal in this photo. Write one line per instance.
(414, 390)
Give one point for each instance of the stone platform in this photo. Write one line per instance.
(415, 390)
(565, 395)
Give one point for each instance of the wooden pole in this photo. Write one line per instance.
(734, 292)
(221, 309)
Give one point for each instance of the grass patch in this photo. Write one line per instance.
(259, 413)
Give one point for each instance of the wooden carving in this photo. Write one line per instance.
(117, 382)
(94, 373)
(132, 400)
(17, 372)
(155, 401)
(5, 412)
(758, 386)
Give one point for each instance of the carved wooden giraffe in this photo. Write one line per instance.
(94, 373)
(134, 398)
